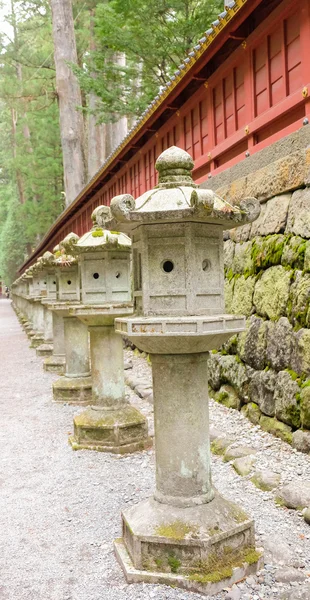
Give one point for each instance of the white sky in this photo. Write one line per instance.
(4, 27)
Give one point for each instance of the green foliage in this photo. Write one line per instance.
(12, 247)
(154, 37)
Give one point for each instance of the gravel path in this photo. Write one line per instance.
(60, 510)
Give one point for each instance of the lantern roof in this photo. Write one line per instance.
(177, 198)
(99, 238)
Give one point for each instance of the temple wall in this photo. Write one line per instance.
(265, 372)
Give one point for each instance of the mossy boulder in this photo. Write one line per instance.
(238, 452)
(279, 342)
(299, 299)
(266, 480)
(243, 465)
(219, 445)
(252, 412)
(252, 343)
(294, 253)
(286, 397)
(307, 257)
(242, 300)
(300, 360)
(305, 407)
(229, 294)
(229, 252)
(228, 396)
(261, 391)
(267, 252)
(242, 261)
(214, 370)
(301, 440)
(280, 430)
(271, 292)
(236, 374)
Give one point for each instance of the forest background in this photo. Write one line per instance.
(92, 66)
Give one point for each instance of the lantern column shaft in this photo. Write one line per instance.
(76, 348)
(56, 363)
(107, 361)
(181, 411)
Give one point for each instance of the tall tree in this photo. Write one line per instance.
(69, 98)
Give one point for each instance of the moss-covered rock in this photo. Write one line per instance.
(299, 299)
(252, 412)
(294, 252)
(244, 465)
(280, 430)
(214, 370)
(252, 343)
(267, 252)
(242, 300)
(228, 396)
(300, 360)
(242, 261)
(236, 374)
(298, 220)
(261, 391)
(229, 294)
(279, 343)
(266, 480)
(271, 292)
(229, 252)
(286, 397)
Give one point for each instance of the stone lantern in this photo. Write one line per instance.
(75, 386)
(47, 267)
(110, 424)
(37, 292)
(56, 362)
(187, 534)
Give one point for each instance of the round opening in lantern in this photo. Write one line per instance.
(117, 275)
(167, 266)
(96, 275)
(206, 265)
(54, 282)
(69, 282)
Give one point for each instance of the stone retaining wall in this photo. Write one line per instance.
(265, 372)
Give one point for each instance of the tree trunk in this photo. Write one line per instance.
(69, 98)
(120, 128)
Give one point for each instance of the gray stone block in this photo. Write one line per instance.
(298, 220)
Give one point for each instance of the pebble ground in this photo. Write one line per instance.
(60, 510)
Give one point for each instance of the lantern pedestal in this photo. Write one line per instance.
(110, 424)
(37, 335)
(57, 362)
(187, 534)
(75, 386)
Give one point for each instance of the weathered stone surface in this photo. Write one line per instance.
(228, 294)
(252, 343)
(281, 176)
(252, 412)
(279, 552)
(214, 433)
(307, 257)
(301, 440)
(242, 261)
(242, 301)
(229, 252)
(234, 593)
(299, 298)
(244, 465)
(236, 374)
(293, 253)
(295, 494)
(286, 399)
(290, 574)
(228, 396)
(214, 370)
(273, 218)
(279, 343)
(241, 234)
(298, 219)
(238, 452)
(305, 407)
(261, 391)
(271, 292)
(300, 360)
(266, 480)
(277, 428)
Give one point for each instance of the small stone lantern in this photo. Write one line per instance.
(38, 291)
(187, 535)
(47, 265)
(110, 424)
(75, 386)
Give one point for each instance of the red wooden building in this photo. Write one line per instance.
(244, 86)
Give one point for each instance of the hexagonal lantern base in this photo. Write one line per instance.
(55, 364)
(44, 349)
(73, 390)
(118, 431)
(202, 548)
